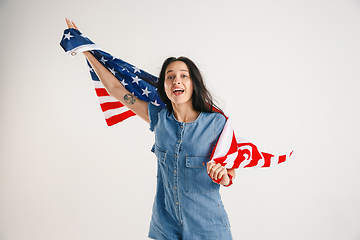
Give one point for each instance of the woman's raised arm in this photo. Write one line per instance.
(113, 86)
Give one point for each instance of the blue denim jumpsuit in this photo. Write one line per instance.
(187, 204)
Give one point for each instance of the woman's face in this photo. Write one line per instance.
(178, 84)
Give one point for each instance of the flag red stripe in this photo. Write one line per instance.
(252, 163)
(267, 159)
(110, 105)
(282, 158)
(239, 159)
(118, 118)
(101, 92)
(233, 147)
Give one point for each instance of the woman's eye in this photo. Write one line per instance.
(170, 77)
(184, 76)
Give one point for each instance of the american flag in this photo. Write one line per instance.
(135, 80)
(234, 152)
(230, 151)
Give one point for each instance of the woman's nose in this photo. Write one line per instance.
(175, 81)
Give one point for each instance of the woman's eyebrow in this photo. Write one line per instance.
(173, 70)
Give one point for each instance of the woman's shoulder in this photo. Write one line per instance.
(215, 115)
(156, 109)
(218, 119)
(213, 124)
(155, 112)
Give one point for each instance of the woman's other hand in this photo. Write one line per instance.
(216, 171)
(71, 24)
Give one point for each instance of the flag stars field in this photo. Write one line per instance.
(155, 103)
(112, 71)
(123, 82)
(136, 69)
(145, 92)
(136, 80)
(67, 36)
(103, 60)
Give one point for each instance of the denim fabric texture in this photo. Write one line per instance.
(187, 204)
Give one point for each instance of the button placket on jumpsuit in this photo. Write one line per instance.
(175, 178)
(187, 204)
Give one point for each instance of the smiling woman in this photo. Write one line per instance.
(201, 98)
(187, 204)
(179, 88)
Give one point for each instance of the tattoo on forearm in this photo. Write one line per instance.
(129, 99)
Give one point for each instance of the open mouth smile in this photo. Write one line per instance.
(177, 91)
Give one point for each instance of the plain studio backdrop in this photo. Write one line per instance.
(287, 73)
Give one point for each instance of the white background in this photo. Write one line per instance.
(287, 72)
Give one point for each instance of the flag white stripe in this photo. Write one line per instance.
(260, 163)
(224, 141)
(241, 140)
(113, 112)
(86, 47)
(244, 163)
(98, 84)
(106, 99)
(274, 161)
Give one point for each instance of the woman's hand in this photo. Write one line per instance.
(71, 24)
(216, 171)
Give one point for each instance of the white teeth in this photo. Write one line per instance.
(178, 90)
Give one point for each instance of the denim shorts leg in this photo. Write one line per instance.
(163, 226)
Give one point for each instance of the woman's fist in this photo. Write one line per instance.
(217, 172)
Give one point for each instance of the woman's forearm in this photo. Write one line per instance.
(116, 89)
(109, 81)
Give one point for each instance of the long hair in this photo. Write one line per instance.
(202, 100)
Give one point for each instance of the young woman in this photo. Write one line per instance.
(187, 204)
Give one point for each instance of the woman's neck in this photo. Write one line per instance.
(185, 113)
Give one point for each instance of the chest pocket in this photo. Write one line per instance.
(196, 178)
